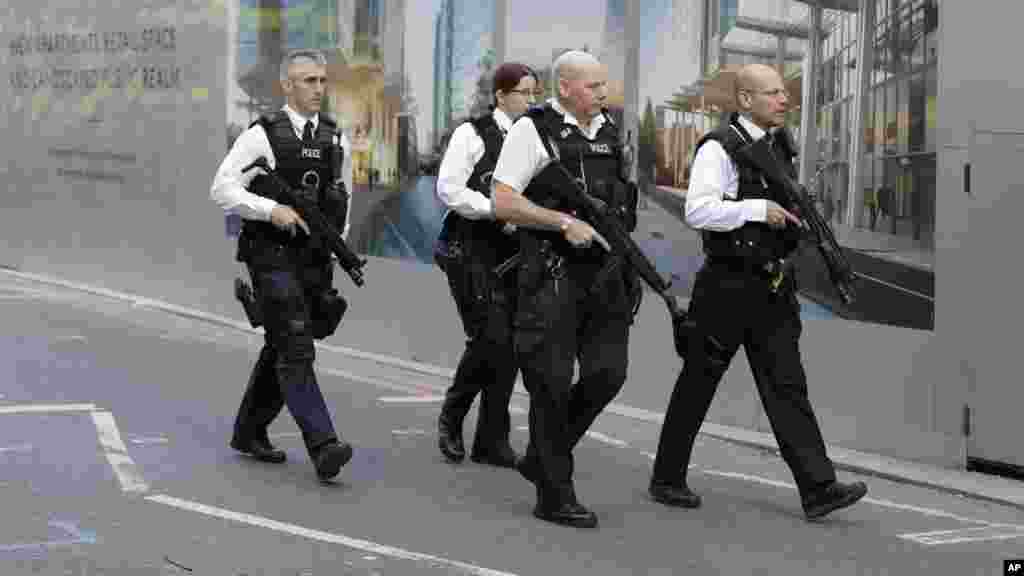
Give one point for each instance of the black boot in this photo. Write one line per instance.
(261, 450)
(449, 437)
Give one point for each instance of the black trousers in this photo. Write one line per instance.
(283, 375)
(568, 320)
(486, 304)
(734, 308)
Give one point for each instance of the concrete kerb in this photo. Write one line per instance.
(973, 485)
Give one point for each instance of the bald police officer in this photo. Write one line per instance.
(570, 306)
(745, 294)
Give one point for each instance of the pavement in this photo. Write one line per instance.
(116, 409)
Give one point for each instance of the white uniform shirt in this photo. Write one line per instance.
(713, 177)
(229, 185)
(523, 155)
(465, 149)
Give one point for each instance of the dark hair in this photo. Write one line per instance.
(508, 75)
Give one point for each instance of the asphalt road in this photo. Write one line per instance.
(114, 422)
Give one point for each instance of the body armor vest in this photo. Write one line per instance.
(307, 169)
(754, 243)
(597, 163)
(484, 238)
(492, 135)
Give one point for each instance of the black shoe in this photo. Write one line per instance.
(261, 450)
(567, 514)
(330, 458)
(449, 439)
(678, 495)
(504, 457)
(833, 497)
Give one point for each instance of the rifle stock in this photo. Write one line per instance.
(840, 272)
(320, 227)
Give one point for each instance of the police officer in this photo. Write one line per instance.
(745, 294)
(471, 247)
(292, 277)
(570, 307)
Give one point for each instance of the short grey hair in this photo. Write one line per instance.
(301, 54)
(569, 63)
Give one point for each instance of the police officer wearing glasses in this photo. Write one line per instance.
(292, 278)
(570, 306)
(473, 250)
(745, 294)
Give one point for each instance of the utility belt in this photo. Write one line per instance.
(776, 273)
(260, 251)
(263, 244)
(473, 242)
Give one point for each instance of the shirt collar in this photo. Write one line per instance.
(299, 121)
(504, 122)
(595, 124)
(755, 131)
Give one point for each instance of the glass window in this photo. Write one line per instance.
(248, 56)
(918, 113)
(891, 115)
(729, 11)
(931, 94)
(931, 25)
(836, 134)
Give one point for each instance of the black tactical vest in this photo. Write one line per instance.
(483, 238)
(307, 170)
(487, 128)
(598, 163)
(754, 243)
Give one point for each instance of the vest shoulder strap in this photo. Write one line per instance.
(543, 119)
(487, 129)
(727, 137)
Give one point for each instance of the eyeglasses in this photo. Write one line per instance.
(770, 93)
(527, 93)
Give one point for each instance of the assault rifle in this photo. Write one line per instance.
(624, 248)
(761, 155)
(320, 228)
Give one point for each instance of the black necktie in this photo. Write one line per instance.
(307, 132)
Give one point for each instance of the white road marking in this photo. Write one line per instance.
(117, 453)
(153, 440)
(295, 530)
(959, 536)
(16, 448)
(286, 435)
(378, 382)
(37, 408)
(410, 432)
(606, 439)
(410, 399)
(876, 501)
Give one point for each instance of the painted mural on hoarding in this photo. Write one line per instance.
(394, 212)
